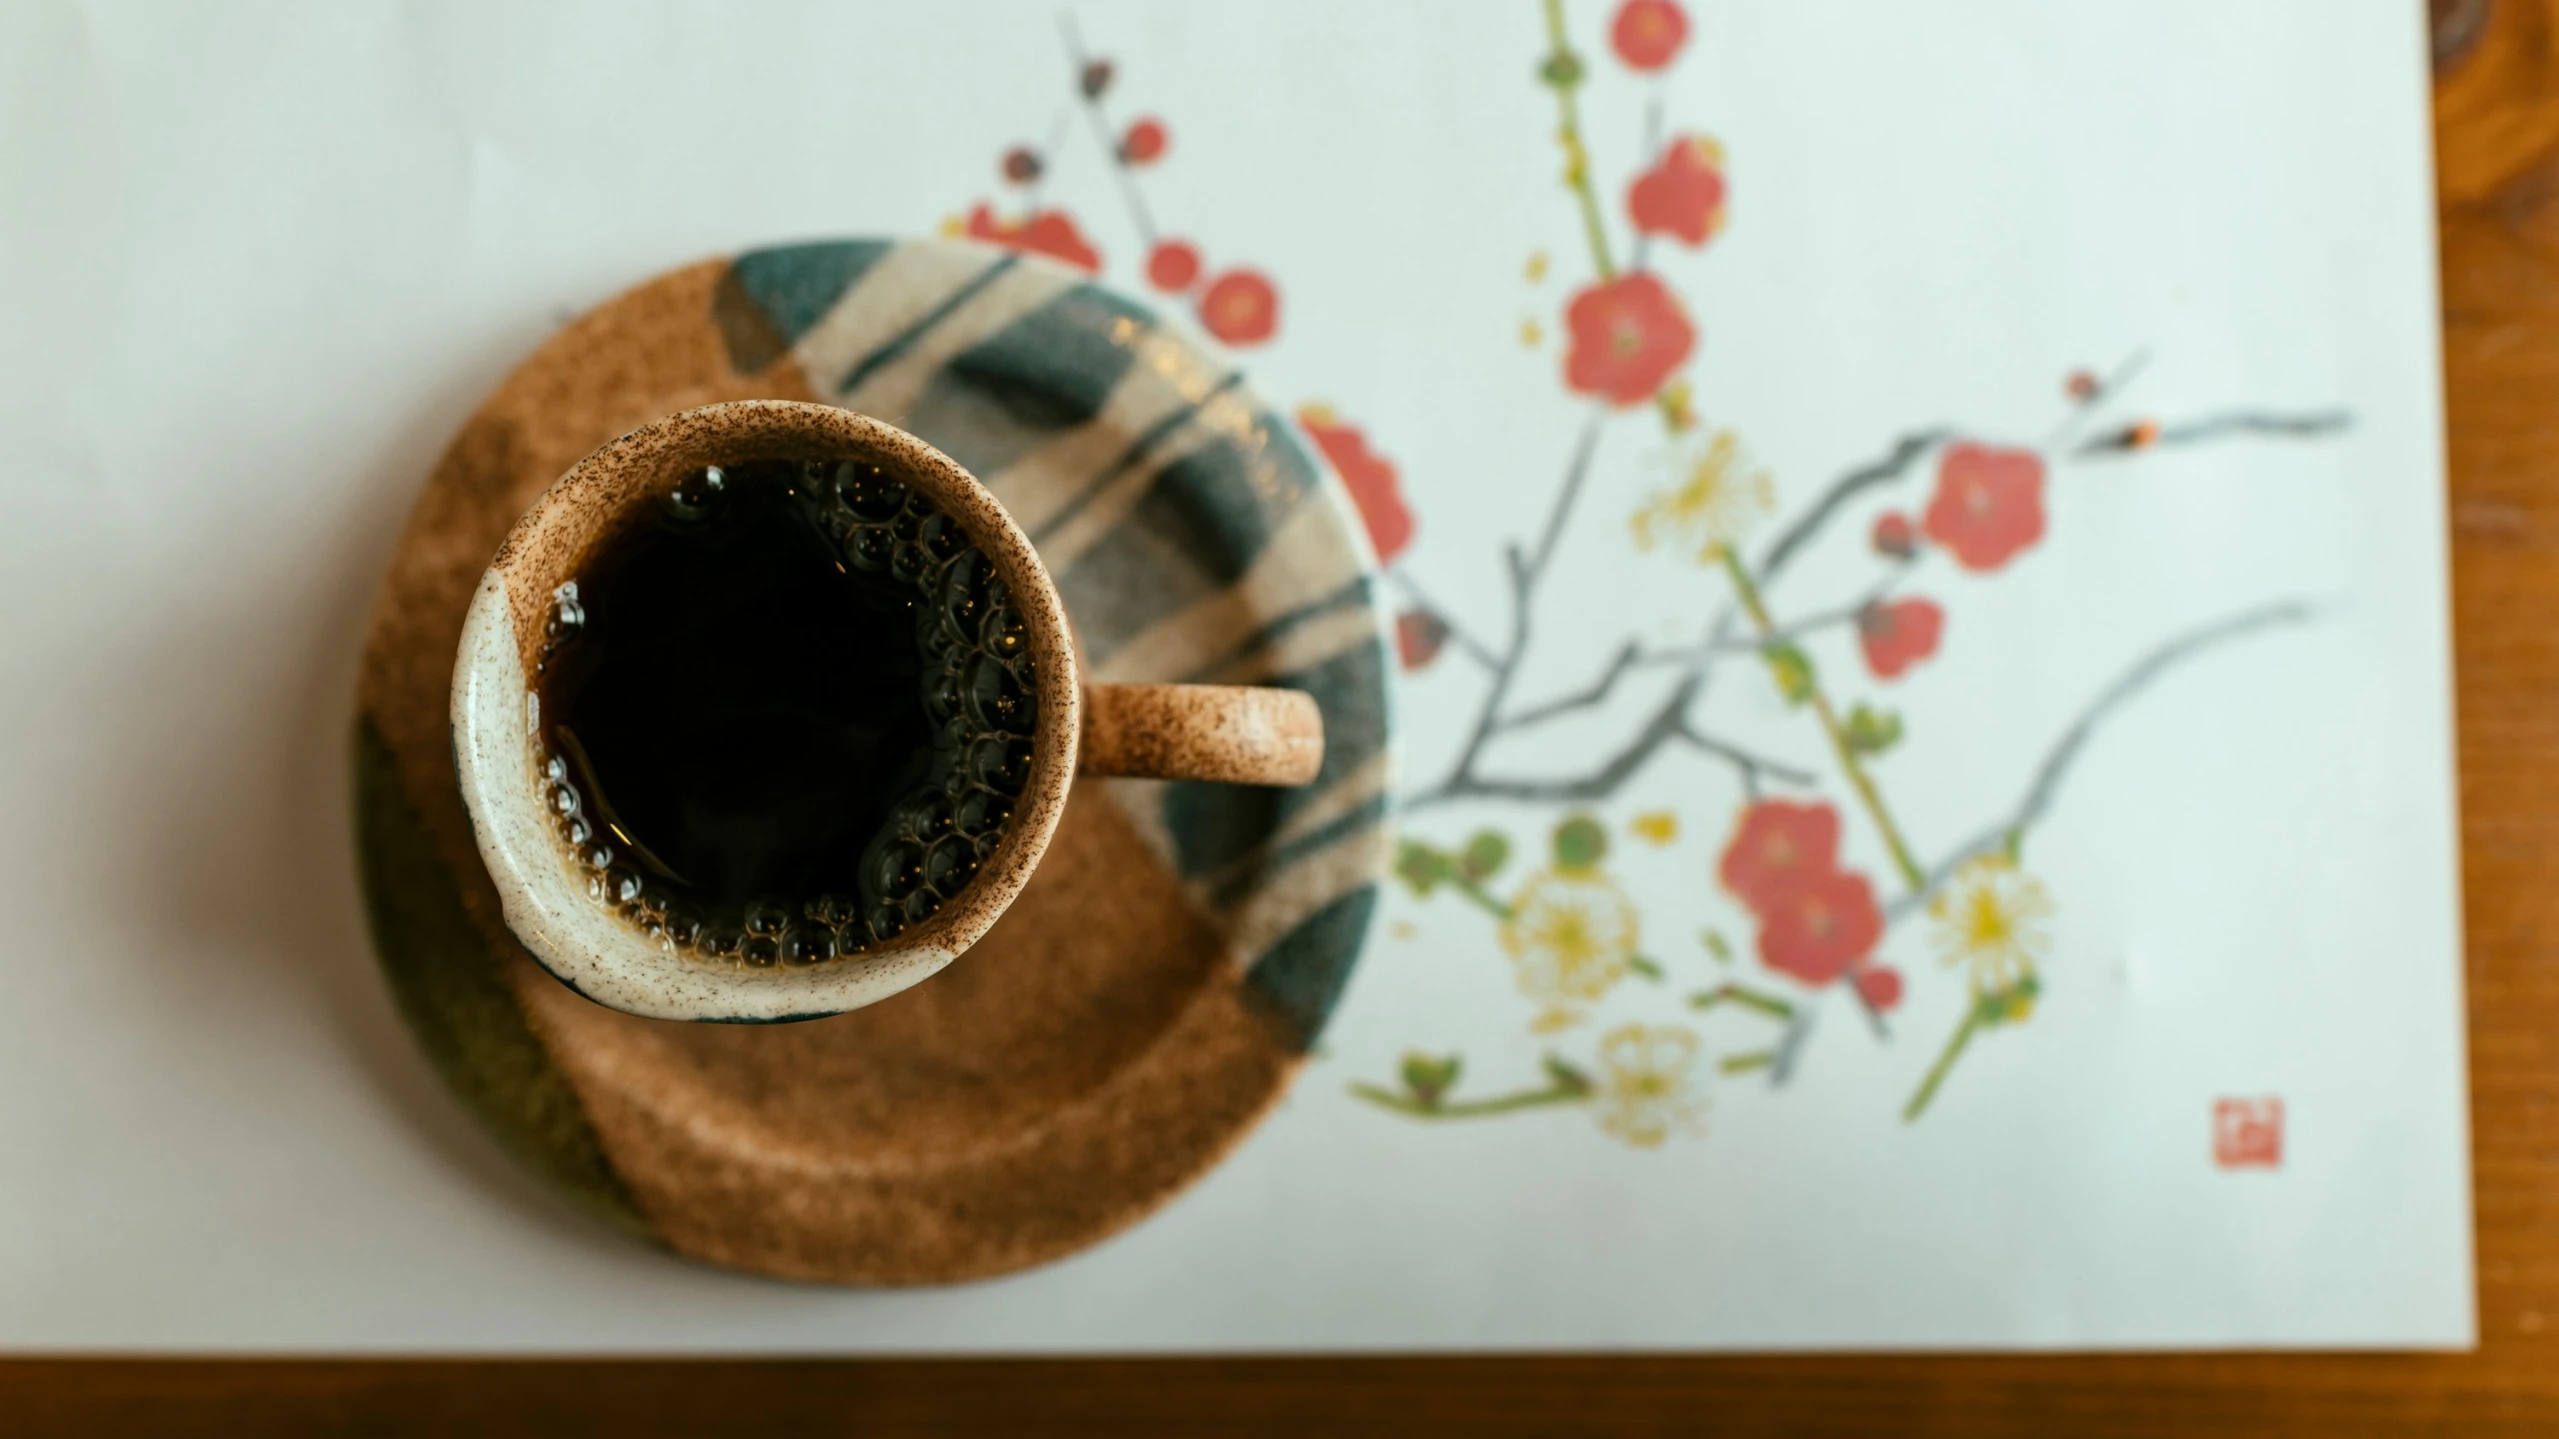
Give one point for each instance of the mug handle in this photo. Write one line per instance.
(1232, 734)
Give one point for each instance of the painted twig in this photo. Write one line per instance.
(2149, 435)
(1427, 1082)
(1858, 779)
(1095, 113)
(2045, 786)
(1558, 1093)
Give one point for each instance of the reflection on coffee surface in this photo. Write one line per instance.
(785, 713)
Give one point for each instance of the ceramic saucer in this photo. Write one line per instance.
(1154, 990)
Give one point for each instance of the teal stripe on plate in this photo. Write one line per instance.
(795, 285)
(1250, 877)
(1046, 373)
(1358, 594)
(1296, 982)
(905, 340)
(1138, 449)
(1200, 525)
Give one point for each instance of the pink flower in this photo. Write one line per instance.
(1145, 142)
(1172, 265)
(1880, 986)
(1419, 634)
(1898, 635)
(1817, 932)
(1682, 196)
(1989, 504)
(1241, 307)
(1368, 475)
(1647, 34)
(1779, 848)
(1894, 536)
(1046, 232)
(1628, 334)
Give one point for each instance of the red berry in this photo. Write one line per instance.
(1145, 141)
(1021, 165)
(2081, 386)
(1419, 634)
(1647, 34)
(1880, 986)
(1894, 536)
(1241, 307)
(1172, 265)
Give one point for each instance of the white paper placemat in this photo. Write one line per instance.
(2139, 767)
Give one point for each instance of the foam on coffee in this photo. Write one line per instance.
(783, 713)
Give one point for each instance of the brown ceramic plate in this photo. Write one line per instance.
(1156, 987)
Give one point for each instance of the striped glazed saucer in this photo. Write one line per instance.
(1151, 994)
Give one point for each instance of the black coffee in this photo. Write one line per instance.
(785, 713)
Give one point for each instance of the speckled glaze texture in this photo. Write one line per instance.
(540, 889)
(1158, 979)
(1226, 734)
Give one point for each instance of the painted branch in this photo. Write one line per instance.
(1110, 146)
(2046, 784)
(1890, 466)
(1474, 648)
(2227, 424)
(1583, 699)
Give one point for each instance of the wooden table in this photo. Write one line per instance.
(2497, 142)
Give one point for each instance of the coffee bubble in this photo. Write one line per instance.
(975, 699)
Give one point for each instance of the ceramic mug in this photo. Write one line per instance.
(1200, 732)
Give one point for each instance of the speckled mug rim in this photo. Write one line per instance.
(495, 721)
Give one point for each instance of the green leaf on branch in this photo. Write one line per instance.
(1567, 1078)
(2010, 1004)
(1791, 668)
(1581, 842)
(2021, 998)
(1729, 993)
(1430, 1077)
(1872, 731)
(1422, 867)
(1563, 70)
(1483, 856)
(1716, 945)
(1645, 967)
